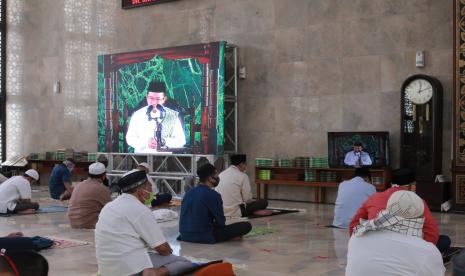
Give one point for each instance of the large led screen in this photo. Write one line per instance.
(163, 100)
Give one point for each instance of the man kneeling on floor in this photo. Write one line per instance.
(127, 229)
(16, 193)
(202, 218)
(88, 198)
(392, 243)
(235, 191)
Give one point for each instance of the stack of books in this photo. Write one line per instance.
(310, 176)
(264, 174)
(319, 162)
(302, 162)
(263, 162)
(328, 176)
(285, 163)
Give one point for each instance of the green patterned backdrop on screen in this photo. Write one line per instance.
(183, 79)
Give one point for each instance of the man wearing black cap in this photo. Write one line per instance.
(235, 191)
(127, 229)
(153, 119)
(402, 179)
(357, 157)
(202, 218)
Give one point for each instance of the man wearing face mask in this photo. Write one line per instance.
(88, 198)
(202, 218)
(128, 239)
(60, 180)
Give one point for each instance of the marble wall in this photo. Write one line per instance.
(313, 66)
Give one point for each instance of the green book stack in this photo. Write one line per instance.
(328, 176)
(302, 162)
(92, 157)
(319, 162)
(263, 162)
(60, 155)
(264, 174)
(285, 163)
(310, 175)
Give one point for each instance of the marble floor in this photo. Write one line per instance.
(300, 244)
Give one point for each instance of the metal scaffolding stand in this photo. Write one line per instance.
(171, 173)
(230, 99)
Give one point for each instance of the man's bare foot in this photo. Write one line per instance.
(161, 271)
(15, 234)
(28, 211)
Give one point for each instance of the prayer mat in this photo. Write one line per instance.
(42, 210)
(260, 231)
(198, 266)
(275, 212)
(451, 252)
(332, 226)
(52, 209)
(60, 243)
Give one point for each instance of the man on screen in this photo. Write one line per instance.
(357, 157)
(155, 127)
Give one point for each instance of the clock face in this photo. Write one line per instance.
(419, 91)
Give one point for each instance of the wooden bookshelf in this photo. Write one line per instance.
(286, 176)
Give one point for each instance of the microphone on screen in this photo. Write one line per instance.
(149, 110)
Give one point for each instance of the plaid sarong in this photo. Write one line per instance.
(387, 221)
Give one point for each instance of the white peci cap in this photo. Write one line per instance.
(405, 204)
(32, 173)
(96, 168)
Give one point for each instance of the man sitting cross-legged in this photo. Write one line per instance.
(202, 219)
(88, 198)
(127, 230)
(350, 196)
(235, 191)
(392, 243)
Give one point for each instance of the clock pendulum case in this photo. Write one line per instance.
(421, 130)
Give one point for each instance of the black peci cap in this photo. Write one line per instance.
(132, 180)
(403, 176)
(206, 170)
(157, 86)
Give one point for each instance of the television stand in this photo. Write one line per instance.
(286, 176)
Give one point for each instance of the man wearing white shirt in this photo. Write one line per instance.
(127, 230)
(155, 127)
(235, 190)
(392, 243)
(15, 194)
(357, 157)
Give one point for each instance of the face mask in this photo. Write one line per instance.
(217, 181)
(105, 182)
(148, 201)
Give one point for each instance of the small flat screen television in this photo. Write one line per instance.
(375, 148)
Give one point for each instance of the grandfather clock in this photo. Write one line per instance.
(458, 150)
(421, 132)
